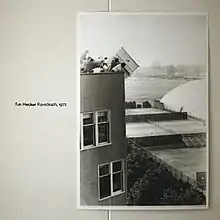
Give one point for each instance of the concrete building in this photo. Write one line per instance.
(103, 140)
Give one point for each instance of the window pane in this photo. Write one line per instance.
(103, 132)
(88, 135)
(117, 182)
(103, 170)
(87, 118)
(117, 166)
(104, 184)
(102, 116)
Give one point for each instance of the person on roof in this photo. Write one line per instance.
(88, 65)
(114, 63)
(84, 64)
(119, 68)
(104, 63)
(83, 58)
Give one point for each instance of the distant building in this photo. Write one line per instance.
(103, 140)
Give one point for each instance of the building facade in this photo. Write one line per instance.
(103, 140)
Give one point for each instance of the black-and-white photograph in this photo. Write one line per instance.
(143, 110)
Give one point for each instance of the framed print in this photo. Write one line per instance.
(143, 111)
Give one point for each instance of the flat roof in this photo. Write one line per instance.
(144, 111)
(187, 160)
(183, 126)
(101, 73)
(143, 130)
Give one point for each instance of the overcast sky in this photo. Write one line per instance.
(167, 39)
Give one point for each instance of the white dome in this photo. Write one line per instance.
(190, 97)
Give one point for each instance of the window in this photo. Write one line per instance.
(117, 175)
(103, 127)
(111, 179)
(95, 128)
(104, 181)
(88, 129)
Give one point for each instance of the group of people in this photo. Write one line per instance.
(102, 64)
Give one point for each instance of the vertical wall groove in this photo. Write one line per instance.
(109, 10)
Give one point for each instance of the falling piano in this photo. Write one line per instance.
(130, 64)
(123, 56)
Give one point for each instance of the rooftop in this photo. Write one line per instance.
(183, 126)
(144, 111)
(101, 73)
(144, 129)
(187, 160)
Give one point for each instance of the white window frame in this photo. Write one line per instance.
(95, 118)
(82, 126)
(100, 199)
(119, 192)
(97, 125)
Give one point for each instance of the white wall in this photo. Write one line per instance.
(38, 148)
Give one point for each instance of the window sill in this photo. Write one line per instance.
(114, 195)
(93, 147)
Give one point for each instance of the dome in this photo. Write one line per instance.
(190, 97)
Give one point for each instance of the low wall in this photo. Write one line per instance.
(162, 140)
(169, 116)
(172, 141)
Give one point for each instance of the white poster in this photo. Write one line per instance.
(144, 110)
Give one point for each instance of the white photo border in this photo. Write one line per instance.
(156, 207)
